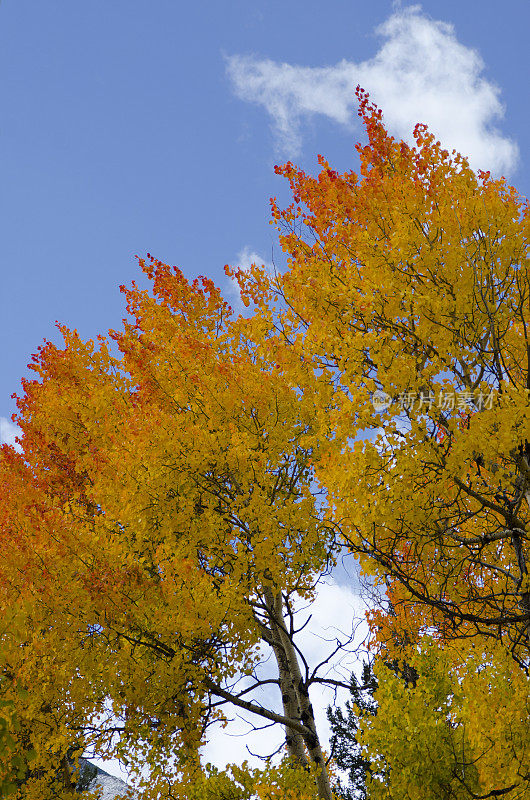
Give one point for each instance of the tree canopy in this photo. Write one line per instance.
(184, 480)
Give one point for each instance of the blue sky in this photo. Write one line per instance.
(137, 126)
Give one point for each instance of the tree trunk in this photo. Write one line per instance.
(295, 696)
(291, 706)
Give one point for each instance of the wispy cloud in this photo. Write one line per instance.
(421, 73)
(8, 432)
(244, 260)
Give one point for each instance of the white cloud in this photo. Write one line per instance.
(246, 257)
(421, 73)
(244, 260)
(8, 432)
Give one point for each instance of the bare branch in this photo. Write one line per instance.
(255, 709)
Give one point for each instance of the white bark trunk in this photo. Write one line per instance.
(296, 696)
